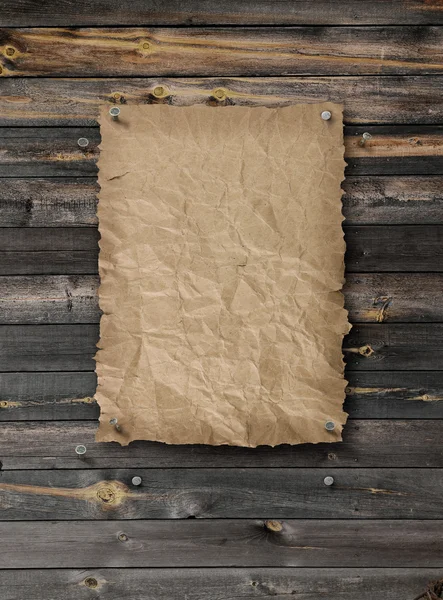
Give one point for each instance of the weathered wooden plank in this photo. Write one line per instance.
(54, 152)
(53, 251)
(245, 51)
(378, 99)
(369, 298)
(366, 444)
(72, 202)
(221, 543)
(394, 347)
(221, 493)
(370, 395)
(195, 12)
(381, 347)
(216, 584)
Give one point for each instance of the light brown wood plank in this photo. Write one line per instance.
(246, 51)
(221, 543)
(367, 99)
(366, 444)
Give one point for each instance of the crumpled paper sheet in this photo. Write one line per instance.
(221, 264)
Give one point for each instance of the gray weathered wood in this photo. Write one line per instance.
(222, 543)
(53, 251)
(221, 493)
(227, 51)
(72, 202)
(370, 395)
(216, 584)
(367, 99)
(381, 347)
(369, 298)
(53, 151)
(366, 444)
(210, 12)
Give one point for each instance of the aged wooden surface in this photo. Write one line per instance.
(217, 583)
(375, 532)
(367, 99)
(245, 51)
(222, 543)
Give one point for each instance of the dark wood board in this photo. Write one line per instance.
(54, 152)
(370, 395)
(72, 202)
(216, 583)
(367, 443)
(222, 543)
(381, 347)
(209, 12)
(221, 493)
(222, 51)
(373, 99)
(369, 298)
(67, 251)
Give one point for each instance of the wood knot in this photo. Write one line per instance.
(3, 404)
(10, 51)
(145, 46)
(219, 94)
(122, 537)
(106, 495)
(160, 92)
(91, 582)
(274, 526)
(366, 350)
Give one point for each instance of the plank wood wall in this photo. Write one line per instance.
(262, 522)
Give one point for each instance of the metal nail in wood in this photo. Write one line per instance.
(330, 425)
(328, 480)
(83, 142)
(326, 115)
(114, 422)
(114, 112)
(365, 138)
(80, 450)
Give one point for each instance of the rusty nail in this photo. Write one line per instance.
(80, 450)
(328, 480)
(136, 480)
(365, 138)
(83, 142)
(326, 115)
(114, 112)
(330, 425)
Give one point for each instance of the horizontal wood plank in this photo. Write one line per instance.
(366, 444)
(381, 347)
(221, 543)
(376, 99)
(369, 298)
(72, 202)
(370, 249)
(54, 152)
(210, 12)
(221, 493)
(205, 51)
(201, 584)
(370, 395)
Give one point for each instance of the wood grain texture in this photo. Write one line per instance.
(209, 12)
(221, 493)
(72, 202)
(205, 51)
(216, 583)
(369, 298)
(66, 251)
(371, 443)
(53, 151)
(370, 395)
(222, 543)
(369, 347)
(375, 99)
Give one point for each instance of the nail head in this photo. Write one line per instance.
(330, 425)
(136, 480)
(83, 142)
(80, 449)
(114, 112)
(326, 115)
(328, 480)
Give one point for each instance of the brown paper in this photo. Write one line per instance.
(221, 264)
